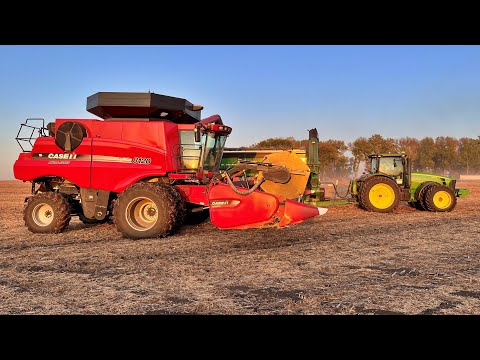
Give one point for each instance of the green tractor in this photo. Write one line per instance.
(390, 180)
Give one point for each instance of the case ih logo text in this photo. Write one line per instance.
(218, 203)
(62, 156)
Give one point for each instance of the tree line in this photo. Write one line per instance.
(444, 155)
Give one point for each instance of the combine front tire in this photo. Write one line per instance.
(440, 198)
(145, 210)
(46, 212)
(379, 194)
(180, 207)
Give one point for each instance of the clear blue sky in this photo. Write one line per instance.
(261, 91)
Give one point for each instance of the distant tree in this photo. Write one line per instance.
(360, 149)
(410, 146)
(381, 145)
(331, 156)
(469, 153)
(446, 152)
(426, 153)
(275, 144)
(375, 144)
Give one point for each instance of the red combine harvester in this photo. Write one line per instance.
(150, 163)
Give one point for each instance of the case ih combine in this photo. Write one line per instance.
(150, 163)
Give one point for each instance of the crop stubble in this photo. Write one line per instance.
(348, 261)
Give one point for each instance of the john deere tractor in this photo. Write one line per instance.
(390, 180)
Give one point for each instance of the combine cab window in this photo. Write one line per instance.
(189, 151)
(213, 151)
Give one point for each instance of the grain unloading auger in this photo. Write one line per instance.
(148, 165)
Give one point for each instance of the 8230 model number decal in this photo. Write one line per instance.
(141, 160)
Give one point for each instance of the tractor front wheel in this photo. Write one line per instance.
(47, 212)
(145, 210)
(440, 198)
(379, 194)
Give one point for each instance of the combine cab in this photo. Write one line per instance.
(149, 164)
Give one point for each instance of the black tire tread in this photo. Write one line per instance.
(179, 205)
(421, 196)
(359, 190)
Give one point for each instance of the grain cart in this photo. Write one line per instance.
(147, 164)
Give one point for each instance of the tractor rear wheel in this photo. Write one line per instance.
(47, 212)
(145, 210)
(379, 194)
(360, 204)
(440, 198)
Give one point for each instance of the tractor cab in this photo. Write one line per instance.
(395, 166)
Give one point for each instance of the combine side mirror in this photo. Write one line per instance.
(197, 133)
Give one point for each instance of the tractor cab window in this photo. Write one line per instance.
(392, 166)
(373, 165)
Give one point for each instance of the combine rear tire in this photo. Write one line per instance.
(145, 210)
(440, 198)
(379, 194)
(46, 212)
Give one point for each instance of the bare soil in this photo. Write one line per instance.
(348, 261)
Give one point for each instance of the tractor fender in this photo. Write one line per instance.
(373, 176)
(360, 182)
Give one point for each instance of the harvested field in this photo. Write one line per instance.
(348, 261)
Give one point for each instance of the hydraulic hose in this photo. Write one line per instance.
(239, 192)
(336, 191)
